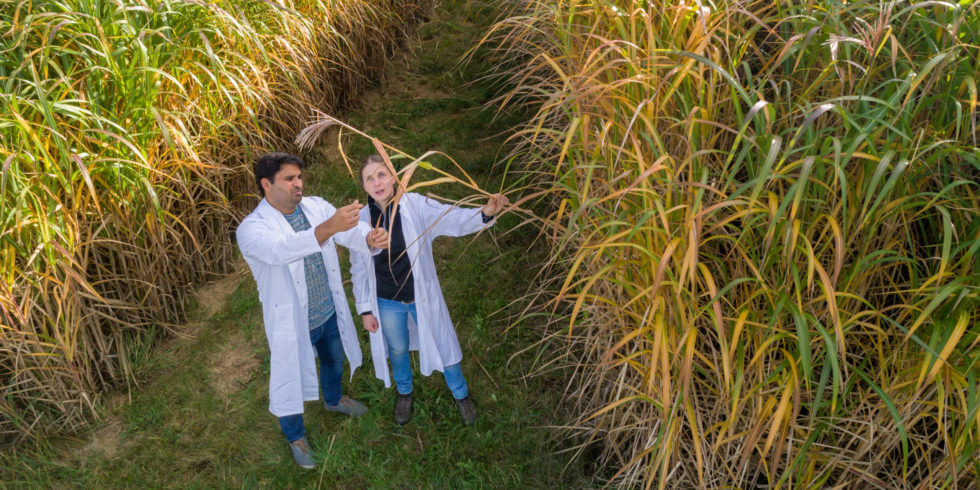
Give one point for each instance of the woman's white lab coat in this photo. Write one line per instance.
(275, 254)
(433, 336)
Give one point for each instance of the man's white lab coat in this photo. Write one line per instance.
(275, 254)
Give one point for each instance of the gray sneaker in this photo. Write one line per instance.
(466, 409)
(302, 453)
(347, 406)
(403, 408)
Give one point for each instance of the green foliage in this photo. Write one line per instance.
(764, 219)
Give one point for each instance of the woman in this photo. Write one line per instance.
(397, 291)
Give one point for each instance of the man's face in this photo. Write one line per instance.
(378, 182)
(286, 189)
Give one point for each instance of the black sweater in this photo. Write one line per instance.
(393, 266)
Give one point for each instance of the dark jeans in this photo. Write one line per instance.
(326, 341)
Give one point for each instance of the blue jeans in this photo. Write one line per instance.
(326, 341)
(394, 320)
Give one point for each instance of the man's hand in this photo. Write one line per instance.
(344, 219)
(370, 322)
(495, 204)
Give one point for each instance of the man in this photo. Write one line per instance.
(289, 244)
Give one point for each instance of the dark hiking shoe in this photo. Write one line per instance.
(466, 409)
(347, 406)
(403, 408)
(302, 453)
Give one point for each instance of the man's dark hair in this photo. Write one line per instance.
(268, 165)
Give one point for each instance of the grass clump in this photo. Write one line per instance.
(124, 127)
(764, 222)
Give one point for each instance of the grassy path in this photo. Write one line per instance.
(199, 418)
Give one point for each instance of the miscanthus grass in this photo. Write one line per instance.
(124, 128)
(764, 222)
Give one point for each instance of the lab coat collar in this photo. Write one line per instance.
(266, 211)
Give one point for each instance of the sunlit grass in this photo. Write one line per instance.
(764, 224)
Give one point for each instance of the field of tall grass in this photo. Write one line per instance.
(764, 223)
(127, 132)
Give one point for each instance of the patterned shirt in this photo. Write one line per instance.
(318, 289)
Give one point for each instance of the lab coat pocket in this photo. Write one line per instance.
(284, 328)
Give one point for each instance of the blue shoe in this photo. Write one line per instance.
(347, 406)
(302, 453)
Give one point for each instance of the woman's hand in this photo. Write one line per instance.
(377, 238)
(370, 322)
(495, 205)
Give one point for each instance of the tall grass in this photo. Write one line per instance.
(764, 221)
(126, 135)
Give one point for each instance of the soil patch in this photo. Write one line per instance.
(235, 362)
(235, 365)
(106, 441)
(212, 296)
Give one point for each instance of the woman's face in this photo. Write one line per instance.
(378, 182)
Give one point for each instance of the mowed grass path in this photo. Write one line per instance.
(199, 416)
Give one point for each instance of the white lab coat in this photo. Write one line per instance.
(275, 254)
(434, 337)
